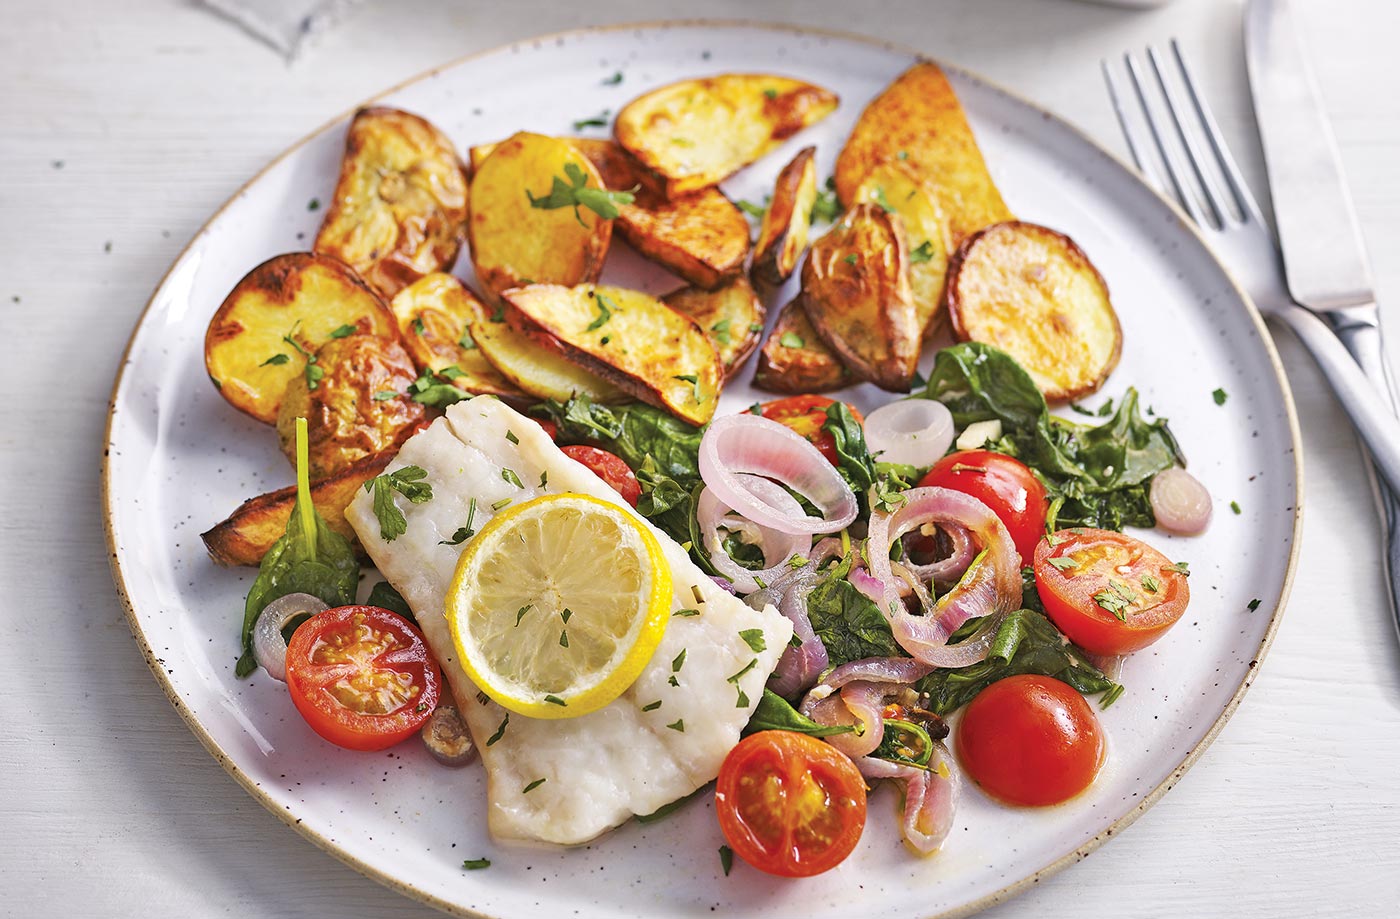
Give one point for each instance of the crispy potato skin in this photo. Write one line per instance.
(919, 116)
(344, 422)
(731, 316)
(514, 243)
(539, 372)
(813, 367)
(925, 231)
(400, 204)
(782, 237)
(628, 338)
(695, 133)
(301, 294)
(1033, 293)
(436, 314)
(855, 290)
(245, 537)
(701, 236)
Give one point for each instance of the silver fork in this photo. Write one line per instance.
(1208, 185)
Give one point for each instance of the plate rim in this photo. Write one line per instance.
(1003, 893)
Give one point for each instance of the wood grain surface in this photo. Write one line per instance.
(124, 125)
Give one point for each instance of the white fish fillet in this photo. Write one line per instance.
(602, 768)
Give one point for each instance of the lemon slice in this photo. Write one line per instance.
(558, 604)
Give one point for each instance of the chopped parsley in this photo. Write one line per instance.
(409, 482)
(520, 613)
(314, 204)
(721, 330)
(566, 614)
(924, 253)
(314, 371)
(597, 121)
(851, 259)
(694, 381)
(501, 503)
(463, 532)
(500, 731)
(417, 326)
(510, 436)
(1183, 568)
(345, 331)
(734, 678)
(726, 859)
(1063, 563)
(544, 479)
(1219, 396)
(508, 474)
(1116, 599)
(473, 864)
(555, 700)
(429, 390)
(384, 395)
(753, 210)
(791, 340)
(605, 311)
(770, 93)
(277, 360)
(755, 327)
(677, 725)
(1151, 584)
(683, 613)
(564, 638)
(466, 342)
(879, 198)
(532, 786)
(1253, 604)
(1235, 506)
(826, 208)
(678, 662)
(613, 80)
(652, 706)
(574, 192)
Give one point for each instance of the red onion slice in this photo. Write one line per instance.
(778, 548)
(269, 647)
(1180, 502)
(930, 796)
(991, 587)
(739, 444)
(916, 432)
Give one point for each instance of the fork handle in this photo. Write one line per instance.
(1371, 416)
(1363, 340)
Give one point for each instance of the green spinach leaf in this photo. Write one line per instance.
(1095, 476)
(1026, 642)
(385, 596)
(774, 713)
(847, 621)
(309, 558)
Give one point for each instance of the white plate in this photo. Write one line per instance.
(180, 459)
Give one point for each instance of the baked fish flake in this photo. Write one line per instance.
(566, 781)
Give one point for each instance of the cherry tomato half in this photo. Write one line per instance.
(1030, 740)
(790, 804)
(1110, 593)
(806, 415)
(609, 467)
(362, 677)
(1003, 483)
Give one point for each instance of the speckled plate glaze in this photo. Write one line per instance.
(179, 459)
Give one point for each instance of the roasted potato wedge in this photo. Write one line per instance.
(919, 122)
(694, 133)
(245, 537)
(629, 338)
(436, 314)
(537, 371)
(358, 408)
(513, 242)
(400, 205)
(1033, 293)
(300, 297)
(855, 289)
(895, 188)
(731, 316)
(782, 237)
(701, 236)
(795, 360)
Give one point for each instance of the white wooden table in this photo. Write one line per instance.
(124, 125)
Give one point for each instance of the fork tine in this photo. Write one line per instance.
(1243, 199)
(1137, 142)
(1174, 169)
(1194, 154)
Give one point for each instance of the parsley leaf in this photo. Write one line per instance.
(277, 360)
(753, 210)
(754, 639)
(597, 121)
(791, 340)
(407, 482)
(463, 532)
(826, 208)
(923, 253)
(605, 311)
(574, 192)
(721, 330)
(613, 80)
(428, 389)
(345, 331)
(1219, 396)
(473, 864)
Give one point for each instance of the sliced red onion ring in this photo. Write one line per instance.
(778, 547)
(799, 667)
(930, 801)
(739, 444)
(916, 432)
(948, 570)
(991, 587)
(447, 738)
(269, 647)
(1180, 502)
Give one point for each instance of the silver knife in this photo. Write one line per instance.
(1323, 253)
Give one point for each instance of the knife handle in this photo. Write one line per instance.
(1363, 340)
(1372, 416)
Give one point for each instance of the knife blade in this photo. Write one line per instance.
(1324, 256)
